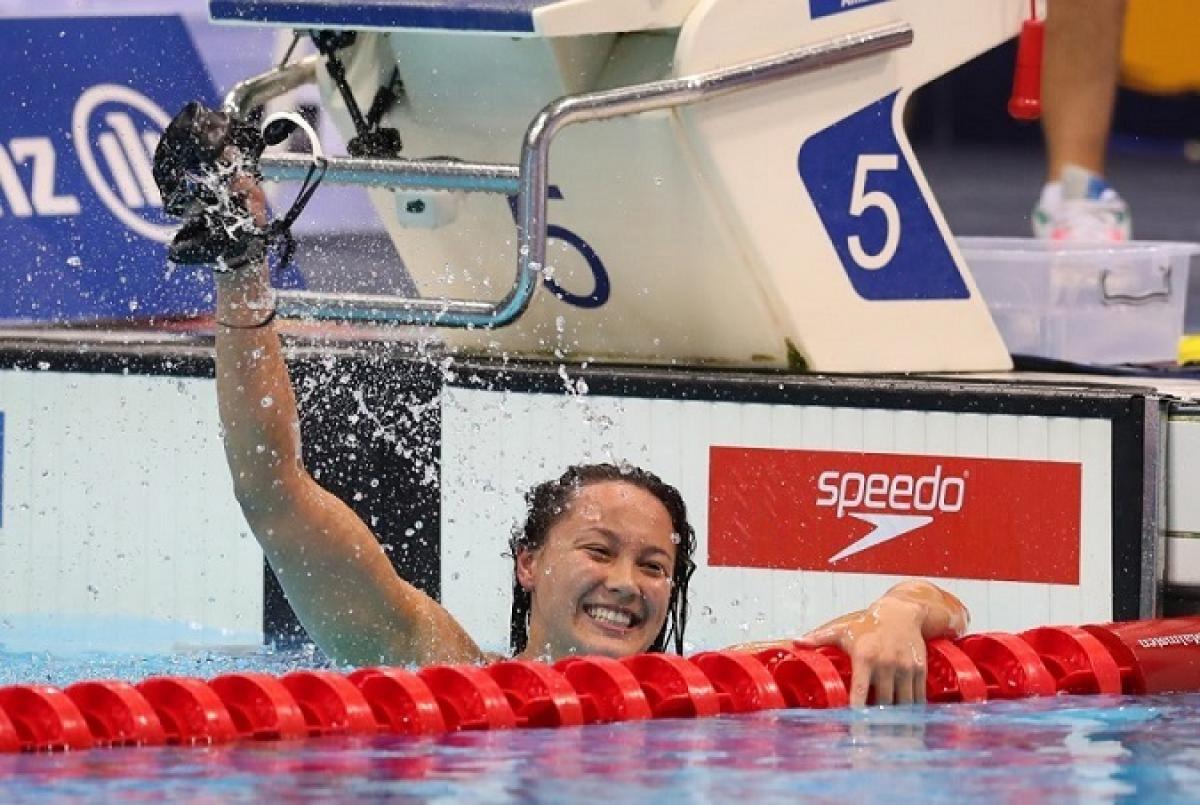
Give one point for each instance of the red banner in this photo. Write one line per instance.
(907, 515)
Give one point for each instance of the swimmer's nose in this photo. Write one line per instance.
(620, 580)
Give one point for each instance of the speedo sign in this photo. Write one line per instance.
(942, 516)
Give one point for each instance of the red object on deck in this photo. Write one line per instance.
(743, 683)
(539, 694)
(1009, 665)
(401, 701)
(331, 703)
(190, 711)
(951, 675)
(806, 678)
(1078, 661)
(673, 686)
(468, 697)
(1160, 656)
(117, 714)
(261, 707)
(1026, 100)
(45, 718)
(608, 690)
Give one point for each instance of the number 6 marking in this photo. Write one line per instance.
(602, 288)
(861, 201)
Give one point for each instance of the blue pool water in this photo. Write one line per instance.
(1062, 749)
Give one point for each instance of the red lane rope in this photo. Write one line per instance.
(1132, 658)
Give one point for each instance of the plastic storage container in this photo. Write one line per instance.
(1087, 303)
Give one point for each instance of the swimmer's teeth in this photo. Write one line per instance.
(613, 616)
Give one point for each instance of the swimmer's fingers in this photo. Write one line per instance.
(885, 685)
(903, 676)
(900, 676)
(864, 670)
(920, 673)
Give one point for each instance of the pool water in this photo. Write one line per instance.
(1060, 749)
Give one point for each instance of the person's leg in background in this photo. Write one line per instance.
(1080, 70)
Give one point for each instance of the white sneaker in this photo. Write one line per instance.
(1081, 207)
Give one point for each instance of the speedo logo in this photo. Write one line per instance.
(965, 517)
(898, 493)
(888, 502)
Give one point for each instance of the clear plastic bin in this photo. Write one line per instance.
(1088, 303)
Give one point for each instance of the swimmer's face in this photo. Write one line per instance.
(601, 582)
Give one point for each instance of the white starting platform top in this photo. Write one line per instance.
(541, 17)
(782, 222)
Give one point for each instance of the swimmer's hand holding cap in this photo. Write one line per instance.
(198, 157)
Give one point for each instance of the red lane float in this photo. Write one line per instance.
(1161, 656)
(1077, 660)
(401, 701)
(1134, 658)
(9, 740)
(805, 677)
(743, 683)
(190, 711)
(469, 699)
(45, 718)
(261, 707)
(674, 687)
(540, 695)
(331, 703)
(117, 714)
(1009, 665)
(951, 675)
(840, 661)
(608, 690)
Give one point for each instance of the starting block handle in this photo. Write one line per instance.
(413, 174)
(530, 182)
(257, 90)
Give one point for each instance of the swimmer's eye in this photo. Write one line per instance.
(655, 568)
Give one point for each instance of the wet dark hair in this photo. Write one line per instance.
(549, 501)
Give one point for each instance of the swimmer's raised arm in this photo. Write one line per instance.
(336, 575)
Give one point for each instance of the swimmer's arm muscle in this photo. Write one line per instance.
(333, 570)
(346, 591)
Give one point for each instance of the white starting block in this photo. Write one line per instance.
(750, 198)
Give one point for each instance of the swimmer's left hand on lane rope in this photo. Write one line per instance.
(886, 649)
(202, 165)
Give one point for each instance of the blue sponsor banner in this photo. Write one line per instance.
(81, 222)
(877, 218)
(824, 8)
(455, 15)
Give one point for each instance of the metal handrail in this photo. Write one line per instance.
(530, 181)
(257, 90)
